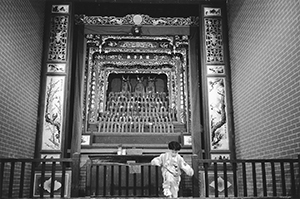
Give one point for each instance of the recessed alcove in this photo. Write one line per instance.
(115, 81)
(137, 90)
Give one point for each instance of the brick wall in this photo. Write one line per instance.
(264, 40)
(21, 39)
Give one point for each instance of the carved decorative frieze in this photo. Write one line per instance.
(212, 12)
(58, 38)
(215, 70)
(132, 57)
(130, 20)
(60, 9)
(213, 40)
(56, 68)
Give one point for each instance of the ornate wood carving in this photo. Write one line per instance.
(138, 64)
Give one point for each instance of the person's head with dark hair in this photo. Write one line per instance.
(174, 147)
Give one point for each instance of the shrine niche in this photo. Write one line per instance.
(136, 86)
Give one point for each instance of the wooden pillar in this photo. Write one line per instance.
(77, 109)
(53, 123)
(216, 87)
(216, 90)
(55, 82)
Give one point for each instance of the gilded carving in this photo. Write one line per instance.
(58, 38)
(137, 64)
(131, 20)
(213, 40)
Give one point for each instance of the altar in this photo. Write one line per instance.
(136, 91)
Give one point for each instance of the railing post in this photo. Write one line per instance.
(195, 178)
(75, 175)
(88, 177)
(298, 188)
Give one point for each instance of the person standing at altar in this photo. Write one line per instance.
(171, 164)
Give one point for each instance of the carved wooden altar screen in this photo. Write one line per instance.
(138, 86)
(140, 89)
(136, 90)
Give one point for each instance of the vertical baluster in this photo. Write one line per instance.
(273, 178)
(104, 179)
(116, 126)
(123, 126)
(216, 179)
(11, 179)
(151, 124)
(42, 180)
(32, 171)
(156, 180)
(254, 179)
(166, 123)
(244, 178)
(21, 180)
(282, 179)
(225, 179)
(52, 180)
(172, 128)
(90, 175)
(264, 179)
(149, 180)
(63, 179)
(168, 127)
(298, 171)
(127, 180)
(143, 124)
(120, 180)
(130, 124)
(139, 125)
(112, 181)
(134, 184)
(105, 124)
(206, 179)
(293, 188)
(97, 180)
(154, 125)
(142, 180)
(1, 178)
(107, 127)
(235, 189)
(100, 124)
(160, 125)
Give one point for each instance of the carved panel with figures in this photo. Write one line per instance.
(136, 85)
